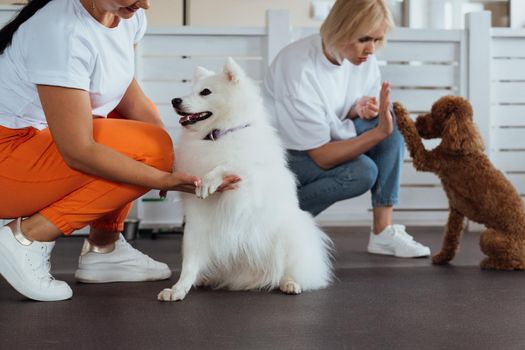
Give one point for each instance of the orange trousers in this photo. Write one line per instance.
(35, 179)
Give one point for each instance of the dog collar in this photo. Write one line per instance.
(215, 134)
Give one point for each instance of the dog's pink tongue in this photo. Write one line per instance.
(184, 119)
(189, 118)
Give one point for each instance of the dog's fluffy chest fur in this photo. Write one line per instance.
(237, 223)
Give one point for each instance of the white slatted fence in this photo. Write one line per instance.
(485, 65)
(507, 104)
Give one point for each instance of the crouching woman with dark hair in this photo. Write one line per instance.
(65, 65)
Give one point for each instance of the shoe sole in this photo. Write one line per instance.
(384, 252)
(108, 276)
(13, 278)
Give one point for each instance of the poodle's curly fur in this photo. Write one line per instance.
(474, 187)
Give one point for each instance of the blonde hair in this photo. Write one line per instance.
(350, 19)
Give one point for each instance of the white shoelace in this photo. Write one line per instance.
(401, 231)
(135, 251)
(43, 270)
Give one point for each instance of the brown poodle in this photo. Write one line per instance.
(474, 187)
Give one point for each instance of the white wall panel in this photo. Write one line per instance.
(509, 161)
(420, 51)
(508, 47)
(507, 98)
(518, 180)
(182, 68)
(508, 138)
(508, 69)
(508, 115)
(182, 44)
(164, 91)
(410, 176)
(431, 75)
(424, 197)
(507, 92)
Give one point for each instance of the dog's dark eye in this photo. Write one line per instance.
(205, 92)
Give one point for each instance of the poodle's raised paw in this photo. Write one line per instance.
(399, 109)
(402, 118)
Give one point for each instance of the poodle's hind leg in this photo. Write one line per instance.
(504, 251)
(453, 230)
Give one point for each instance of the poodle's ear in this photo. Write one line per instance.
(460, 135)
(201, 72)
(233, 71)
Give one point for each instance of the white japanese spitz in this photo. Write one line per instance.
(256, 236)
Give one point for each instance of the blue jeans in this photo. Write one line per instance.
(378, 170)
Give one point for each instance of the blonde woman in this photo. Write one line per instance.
(334, 117)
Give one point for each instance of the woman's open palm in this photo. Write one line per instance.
(386, 123)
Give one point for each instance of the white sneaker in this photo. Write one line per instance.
(26, 268)
(394, 240)
(118, 262)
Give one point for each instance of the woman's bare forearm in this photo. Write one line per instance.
(102, 161)
(336, 153)
(135, 105)
(68, 113)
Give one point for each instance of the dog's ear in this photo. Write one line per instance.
(233, 71)
(201, 72)
(460, 135)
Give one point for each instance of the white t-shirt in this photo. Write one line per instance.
(309, 97)
(63, 45)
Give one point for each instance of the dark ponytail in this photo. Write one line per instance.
(7, 32)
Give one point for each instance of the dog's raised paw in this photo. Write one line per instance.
(168, 294)
(290, 287)
(210, 184)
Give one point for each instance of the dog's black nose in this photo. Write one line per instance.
(176, 102)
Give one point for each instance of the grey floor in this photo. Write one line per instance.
(376, 303)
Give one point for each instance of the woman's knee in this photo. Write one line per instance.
(143, 142)
(396, 139)
(357, 176)
(158, 148)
